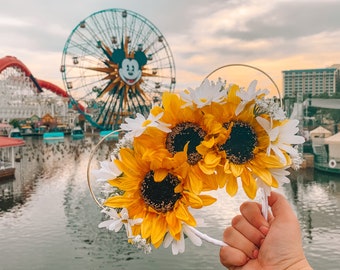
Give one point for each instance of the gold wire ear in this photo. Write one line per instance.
(89, 165)
(251, 67)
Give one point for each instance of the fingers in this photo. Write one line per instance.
(230, 256)
(252, 212)
(236, 239)
(254, 235)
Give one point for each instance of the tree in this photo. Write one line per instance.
(15, 123)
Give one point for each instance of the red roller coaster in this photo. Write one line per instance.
(11, 61)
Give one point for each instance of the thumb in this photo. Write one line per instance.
(280, 206)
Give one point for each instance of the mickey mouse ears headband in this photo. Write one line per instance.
(203, 139)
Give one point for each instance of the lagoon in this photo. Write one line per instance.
(48, 219)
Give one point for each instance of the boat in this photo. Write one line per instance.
(53, 135)
(8, 157)
(77, 133)
(114, 135)
(15, 133)
(326, 150)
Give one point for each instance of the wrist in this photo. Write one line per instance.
(300, 265)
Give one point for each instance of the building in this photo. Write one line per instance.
(313, 82)
(22, 96)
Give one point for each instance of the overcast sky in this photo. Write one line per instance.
(203, 34)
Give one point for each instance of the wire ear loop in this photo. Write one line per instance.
(95, 149)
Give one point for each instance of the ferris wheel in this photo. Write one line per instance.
(116, 63)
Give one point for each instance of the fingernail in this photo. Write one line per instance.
(264, 229)
(255, 253)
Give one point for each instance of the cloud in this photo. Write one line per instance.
(203, 35)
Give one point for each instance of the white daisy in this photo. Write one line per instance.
(280, 174)
(178, 246)
(108, 170)
(282, 137)
(249, 95)
(117, 220)
(195, 236)
(141, 243)
(272, 108)
(205, 94)
(296, 159)
(136, 126)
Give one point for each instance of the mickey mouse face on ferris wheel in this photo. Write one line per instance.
(130, 68)
(130, 71)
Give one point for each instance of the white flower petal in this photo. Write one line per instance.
(116, 226)
(107, 171)
(174, 247)
(205, 94)
(279, 154)
(105, 224)
(167, 240)
(265, 124)
(181, 244)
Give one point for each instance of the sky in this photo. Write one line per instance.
(203, 35)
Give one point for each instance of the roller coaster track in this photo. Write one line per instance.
(11, 61)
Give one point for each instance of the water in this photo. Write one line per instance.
(48, 219)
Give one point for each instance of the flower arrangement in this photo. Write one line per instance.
(203, 139)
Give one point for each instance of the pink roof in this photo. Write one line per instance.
(9, 142)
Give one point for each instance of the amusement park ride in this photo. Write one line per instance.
(115, 63)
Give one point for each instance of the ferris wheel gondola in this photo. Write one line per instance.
(116, 63)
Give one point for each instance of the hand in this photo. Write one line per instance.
(254, 243)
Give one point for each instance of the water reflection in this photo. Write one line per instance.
(316, 196)
(48, 217)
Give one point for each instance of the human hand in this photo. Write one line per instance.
(254, 243)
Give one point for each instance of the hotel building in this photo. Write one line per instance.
(303, 82)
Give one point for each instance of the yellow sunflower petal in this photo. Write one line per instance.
(156, 110)
(194, 200)
(160, 174)
(209, 163)
(195, 182)
(264, 174)
(232, 97)
(175, 225)
(182, 212)
(249, 184)
(118, 202)
(146, 226)
(275, 183)
(231, 186)
(220, 176)
(207, 199)
(159, 229)
(236, 169)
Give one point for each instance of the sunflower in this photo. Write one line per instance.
(243, 148)
(160, 196)
(189, 126)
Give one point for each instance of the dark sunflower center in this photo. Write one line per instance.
(241, 142)
(183, 133)
(160, 195)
